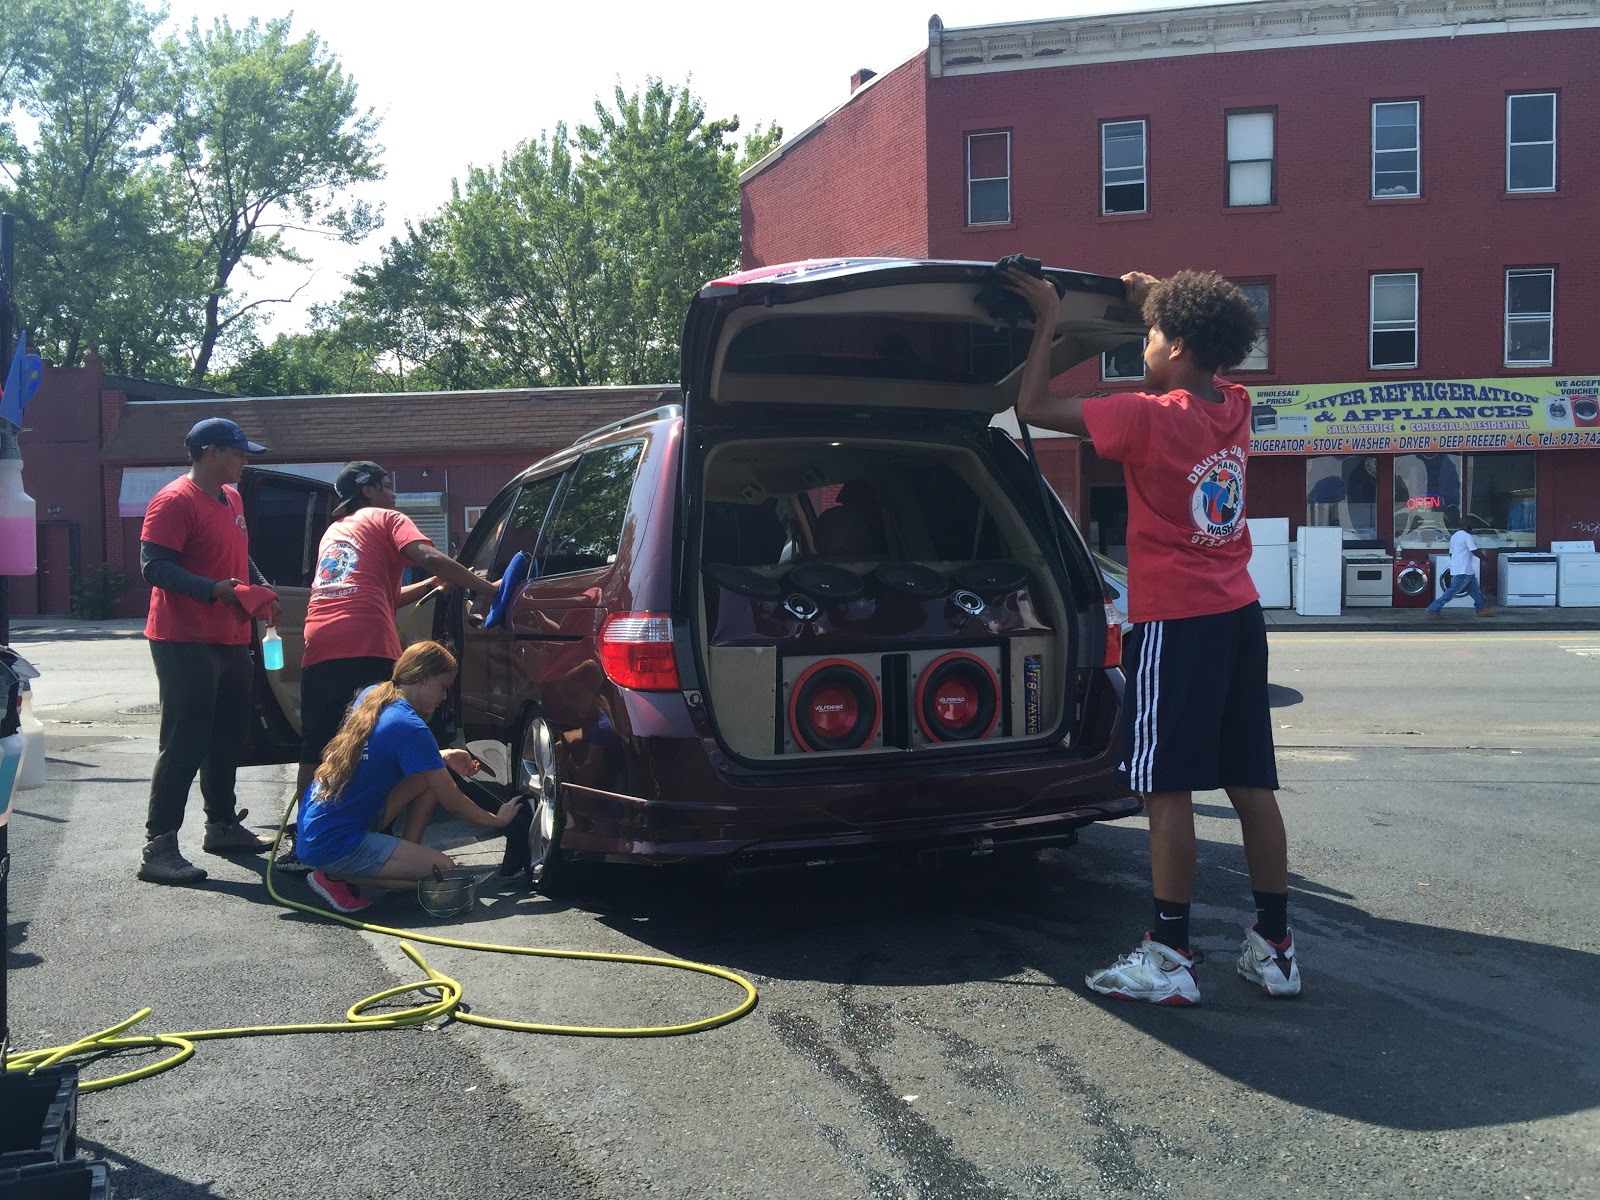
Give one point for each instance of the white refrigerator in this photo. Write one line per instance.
(1269, 559)
(1319, 571)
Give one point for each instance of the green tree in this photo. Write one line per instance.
(100, 229)
(267, 136)
(664, 184)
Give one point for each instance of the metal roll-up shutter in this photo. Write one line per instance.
(428, 510)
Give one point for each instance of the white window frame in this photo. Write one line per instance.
(471, 514)
(1263, 341)
(1375, 327)
(1547, 318)
(977, 133)
(1105, 365)
(1554, 115)
(1271, 160)
(1415, 149)
(1143, 168)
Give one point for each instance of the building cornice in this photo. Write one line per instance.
(1232, 28)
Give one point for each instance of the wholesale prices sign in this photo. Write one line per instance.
(1426, 415)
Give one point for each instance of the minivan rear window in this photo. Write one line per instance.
(870, 346)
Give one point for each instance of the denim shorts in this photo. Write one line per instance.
(366, 860)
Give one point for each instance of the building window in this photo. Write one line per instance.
(1122, 167)
(1260, 297)
(988, 178)
(1531, 142)
(1397, 149)
(1530, 317)
(1124, 362)
(1394, 320)
(1342, 490)
(1250, 174)
(1499, 489)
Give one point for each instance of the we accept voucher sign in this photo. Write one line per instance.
(1426, 415)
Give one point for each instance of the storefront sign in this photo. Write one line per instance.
(1426, 415)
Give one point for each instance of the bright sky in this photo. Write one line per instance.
(461, 83)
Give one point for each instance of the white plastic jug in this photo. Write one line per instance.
(31, 774)
(19, 536)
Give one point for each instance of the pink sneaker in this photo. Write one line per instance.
(338, 893)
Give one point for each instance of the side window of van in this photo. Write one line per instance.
(586, 528)
(524, 522)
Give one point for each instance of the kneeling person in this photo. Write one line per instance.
(382, 766)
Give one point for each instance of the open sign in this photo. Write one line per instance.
(1425, 502)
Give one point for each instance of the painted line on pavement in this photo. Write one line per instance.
(1442, 636)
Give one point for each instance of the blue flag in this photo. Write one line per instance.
(22, 381)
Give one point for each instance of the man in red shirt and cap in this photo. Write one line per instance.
(194, 551)
(1196, 713)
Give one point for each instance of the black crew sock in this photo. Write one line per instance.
(1272, 915)
(1171, 926)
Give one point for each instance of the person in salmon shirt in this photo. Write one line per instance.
(351, 641)
(1196, 715)
(194, 552)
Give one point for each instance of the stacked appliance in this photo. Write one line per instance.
(1317, 570)
(1577, 574)
(1442, 579)
(1368, 575)
(1269, 559)
(1528, 580)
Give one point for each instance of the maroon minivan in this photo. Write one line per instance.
(821, 609)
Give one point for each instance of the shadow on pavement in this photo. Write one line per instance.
(130, 1177)
(1402, 1025)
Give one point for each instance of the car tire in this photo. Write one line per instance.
(538, 779)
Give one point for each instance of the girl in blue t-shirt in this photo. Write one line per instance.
(384, 765)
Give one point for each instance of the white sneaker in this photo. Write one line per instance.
(1275, 968)
(1153, 973)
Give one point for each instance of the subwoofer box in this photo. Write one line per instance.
(831, 702)
(956, 695)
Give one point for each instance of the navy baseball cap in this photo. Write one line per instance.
(219, 431)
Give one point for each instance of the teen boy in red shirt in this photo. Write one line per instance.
(350, 637)
(194, 550)
(1196, 715)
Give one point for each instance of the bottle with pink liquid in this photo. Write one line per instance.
(19, 535)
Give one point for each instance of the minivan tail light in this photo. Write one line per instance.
(636, 652)
(1113, 636)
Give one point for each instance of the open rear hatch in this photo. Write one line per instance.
(868, 574)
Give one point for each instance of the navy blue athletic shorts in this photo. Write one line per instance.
(1197, 716)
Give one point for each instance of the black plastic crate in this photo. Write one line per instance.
(80, 1179)
(42, 1112)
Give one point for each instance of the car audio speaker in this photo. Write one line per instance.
(956, 695)
(832, 703)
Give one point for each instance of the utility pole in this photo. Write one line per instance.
(8, 443)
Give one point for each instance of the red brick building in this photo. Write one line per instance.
(96, 447)
(1408, 189)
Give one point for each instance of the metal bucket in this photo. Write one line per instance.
(448, 893)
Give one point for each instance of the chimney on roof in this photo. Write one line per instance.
(861, 77)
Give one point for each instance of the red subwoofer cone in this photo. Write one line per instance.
(958, 698)
(834, 705)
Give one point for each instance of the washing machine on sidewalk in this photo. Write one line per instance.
(1413, 579)
(1441, 580)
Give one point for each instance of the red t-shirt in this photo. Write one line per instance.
(1184, 459)
(359, 567)
(210, 537)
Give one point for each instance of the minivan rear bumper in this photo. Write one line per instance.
(808, 824)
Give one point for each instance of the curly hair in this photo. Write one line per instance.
(1210, 314)
(420, 662)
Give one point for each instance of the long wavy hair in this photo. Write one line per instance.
(420, 662)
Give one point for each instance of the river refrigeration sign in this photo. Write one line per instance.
(1426, 415)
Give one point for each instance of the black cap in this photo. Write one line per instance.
(351, 480)
(219, 431)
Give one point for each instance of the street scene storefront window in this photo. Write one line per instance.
(1498, 488)
(1342, 490)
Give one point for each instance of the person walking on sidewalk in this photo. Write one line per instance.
(194, 551)
(1196, 712)
(1463, 571)
(350, 637)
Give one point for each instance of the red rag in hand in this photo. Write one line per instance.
(257, 600)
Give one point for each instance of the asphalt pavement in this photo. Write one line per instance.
(921, 1033)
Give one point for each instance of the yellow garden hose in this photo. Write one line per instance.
(357, 1019)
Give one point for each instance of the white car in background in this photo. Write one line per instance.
(1116, 579)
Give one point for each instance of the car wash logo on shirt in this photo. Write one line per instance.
(334, 568)
(1217, 505)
